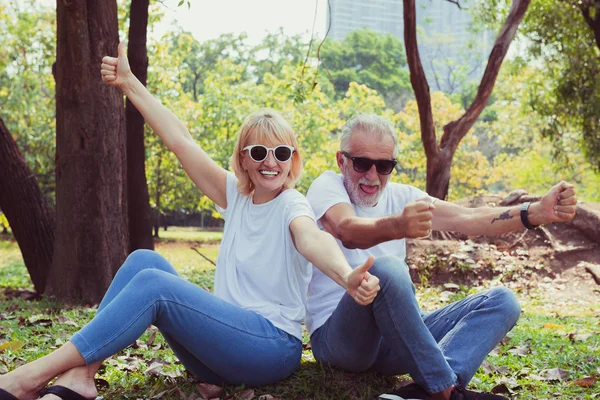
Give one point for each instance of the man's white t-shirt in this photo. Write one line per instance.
(325, 192)
(259, 268)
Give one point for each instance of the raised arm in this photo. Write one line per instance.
(206, 174)
(558, 205)
(321, 250)
(357, 232)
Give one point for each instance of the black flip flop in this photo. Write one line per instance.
(60, 391)
(4, 395)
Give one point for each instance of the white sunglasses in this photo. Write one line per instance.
(259, 153)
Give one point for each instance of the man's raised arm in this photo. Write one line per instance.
(358, 232)
(558, 205)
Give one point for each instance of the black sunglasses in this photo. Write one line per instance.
(259, 153)
(362, 164)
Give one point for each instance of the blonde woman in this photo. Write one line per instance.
(248, 331)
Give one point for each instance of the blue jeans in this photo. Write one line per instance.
(393, 337)
(216, 341)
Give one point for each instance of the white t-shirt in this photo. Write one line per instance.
(325, 192)
(259, 268)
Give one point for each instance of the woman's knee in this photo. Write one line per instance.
(143, 259)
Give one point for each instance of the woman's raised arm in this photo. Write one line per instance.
(206, 174)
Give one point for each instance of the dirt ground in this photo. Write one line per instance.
(550, 261)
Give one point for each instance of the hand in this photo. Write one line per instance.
(416, 218)
(361, 285)
(558, 205)
(116, 71)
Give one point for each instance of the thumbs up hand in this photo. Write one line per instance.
(361, 285)
(116, 71)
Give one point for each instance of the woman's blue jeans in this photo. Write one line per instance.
(393, 337)
(216, 341)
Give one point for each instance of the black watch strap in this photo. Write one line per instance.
(525, 217)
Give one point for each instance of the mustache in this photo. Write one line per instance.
(365, 181)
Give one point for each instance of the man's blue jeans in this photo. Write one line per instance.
(216, 341)
(393, 337)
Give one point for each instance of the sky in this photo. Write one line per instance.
(207, 19)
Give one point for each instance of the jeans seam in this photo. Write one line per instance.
(383, 298)
(285, 359)
(281, 331)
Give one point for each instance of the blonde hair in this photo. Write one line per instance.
(266, 127)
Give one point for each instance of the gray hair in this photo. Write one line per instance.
(367, 123)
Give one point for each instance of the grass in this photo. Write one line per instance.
(544, 339)
(189, 234)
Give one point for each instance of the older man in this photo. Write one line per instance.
(368, 215)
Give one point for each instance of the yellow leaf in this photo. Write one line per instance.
(12, 346)
(553, 326)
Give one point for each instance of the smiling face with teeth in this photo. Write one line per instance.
(268, 176)
(364, 188)
(265, 179)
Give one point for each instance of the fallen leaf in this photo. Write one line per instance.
(151, 339)
(586, 382)
(521, 350)
(451, 286)
(67, 321)
(555, 374)
(579, 337)
(247, 394)
(553, 326)
(13, 346)
(208, 391)
(501, 389)
(41, 320)
(153, 369)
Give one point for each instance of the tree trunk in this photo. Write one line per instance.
(26, 210)
(591, 14)
(140, 214)
(91, 232)
(439, 157)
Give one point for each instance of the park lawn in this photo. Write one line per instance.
(189, 234)
(543, 345)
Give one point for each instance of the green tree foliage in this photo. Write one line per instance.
(565, 93)
(27, 33)
(369, 58)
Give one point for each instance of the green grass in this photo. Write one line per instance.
(189, 234)
(565, 338)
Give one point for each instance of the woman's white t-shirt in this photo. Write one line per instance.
(259, 268)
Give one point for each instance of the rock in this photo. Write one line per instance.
(593, 269)
(512, 197)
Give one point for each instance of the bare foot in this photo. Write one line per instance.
(78, 380)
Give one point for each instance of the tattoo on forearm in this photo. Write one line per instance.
(504, 215)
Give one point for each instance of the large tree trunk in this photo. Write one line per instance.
(26, 210)
(590, 9)
(439, 157)
(91, 232)
(140, 217)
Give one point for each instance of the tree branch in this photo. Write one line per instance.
(418, 81)
(456, 130)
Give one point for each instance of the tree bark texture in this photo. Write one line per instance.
(26, 210)
(590, 9)
(140, 217)
(91, 231)
(439, 156)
